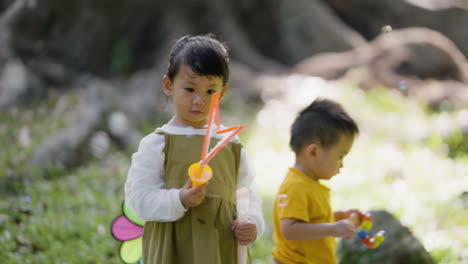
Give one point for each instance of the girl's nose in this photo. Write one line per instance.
(198, 99)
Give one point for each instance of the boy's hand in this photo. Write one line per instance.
(245, 232)
(192, 196)
(340, 215)
(348, 213)
(345, 228)
(353, 215)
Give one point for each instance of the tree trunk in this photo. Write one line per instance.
(107, 37)
(369, 17)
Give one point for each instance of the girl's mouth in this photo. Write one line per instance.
(196, 112)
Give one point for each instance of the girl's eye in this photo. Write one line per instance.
(211, 91)
(189, 90)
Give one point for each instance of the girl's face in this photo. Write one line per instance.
(191, 95)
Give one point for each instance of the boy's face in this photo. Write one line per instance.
(326, 163)
(191, 95)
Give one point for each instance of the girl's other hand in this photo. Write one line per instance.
(192, 196)
(245, 232)
(345, 228)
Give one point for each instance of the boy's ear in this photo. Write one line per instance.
(167, 85)
(312, 150)
(223, 90)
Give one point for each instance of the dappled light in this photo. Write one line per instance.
(437, 5)
(81, 85)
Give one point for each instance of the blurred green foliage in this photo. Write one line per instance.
(65, 216)
(121, 61)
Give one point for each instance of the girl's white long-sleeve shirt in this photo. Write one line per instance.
(145, 192)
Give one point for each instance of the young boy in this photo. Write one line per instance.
(304, 224)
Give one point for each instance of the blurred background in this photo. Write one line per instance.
(80, 85)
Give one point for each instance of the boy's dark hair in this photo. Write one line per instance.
(204, 55)
(323, 121)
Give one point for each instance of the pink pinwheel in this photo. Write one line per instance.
(128, 229)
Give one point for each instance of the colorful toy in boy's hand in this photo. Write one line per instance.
(200, 172)
(364, 221)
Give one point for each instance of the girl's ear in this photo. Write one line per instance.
(221, 94)
(167, 86)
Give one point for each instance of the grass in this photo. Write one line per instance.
(65, 219)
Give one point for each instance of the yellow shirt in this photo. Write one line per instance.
(305, 199)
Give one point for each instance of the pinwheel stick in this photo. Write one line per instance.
(211, 112)
(220, 145)
(200, 172)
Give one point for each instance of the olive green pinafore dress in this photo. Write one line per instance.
(203, 235)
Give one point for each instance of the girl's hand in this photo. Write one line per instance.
(345, 228)
(192, 196)
(245, 232)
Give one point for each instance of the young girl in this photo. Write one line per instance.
(187, 224)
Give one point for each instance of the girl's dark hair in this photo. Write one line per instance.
(323, 121)
(204, 55)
